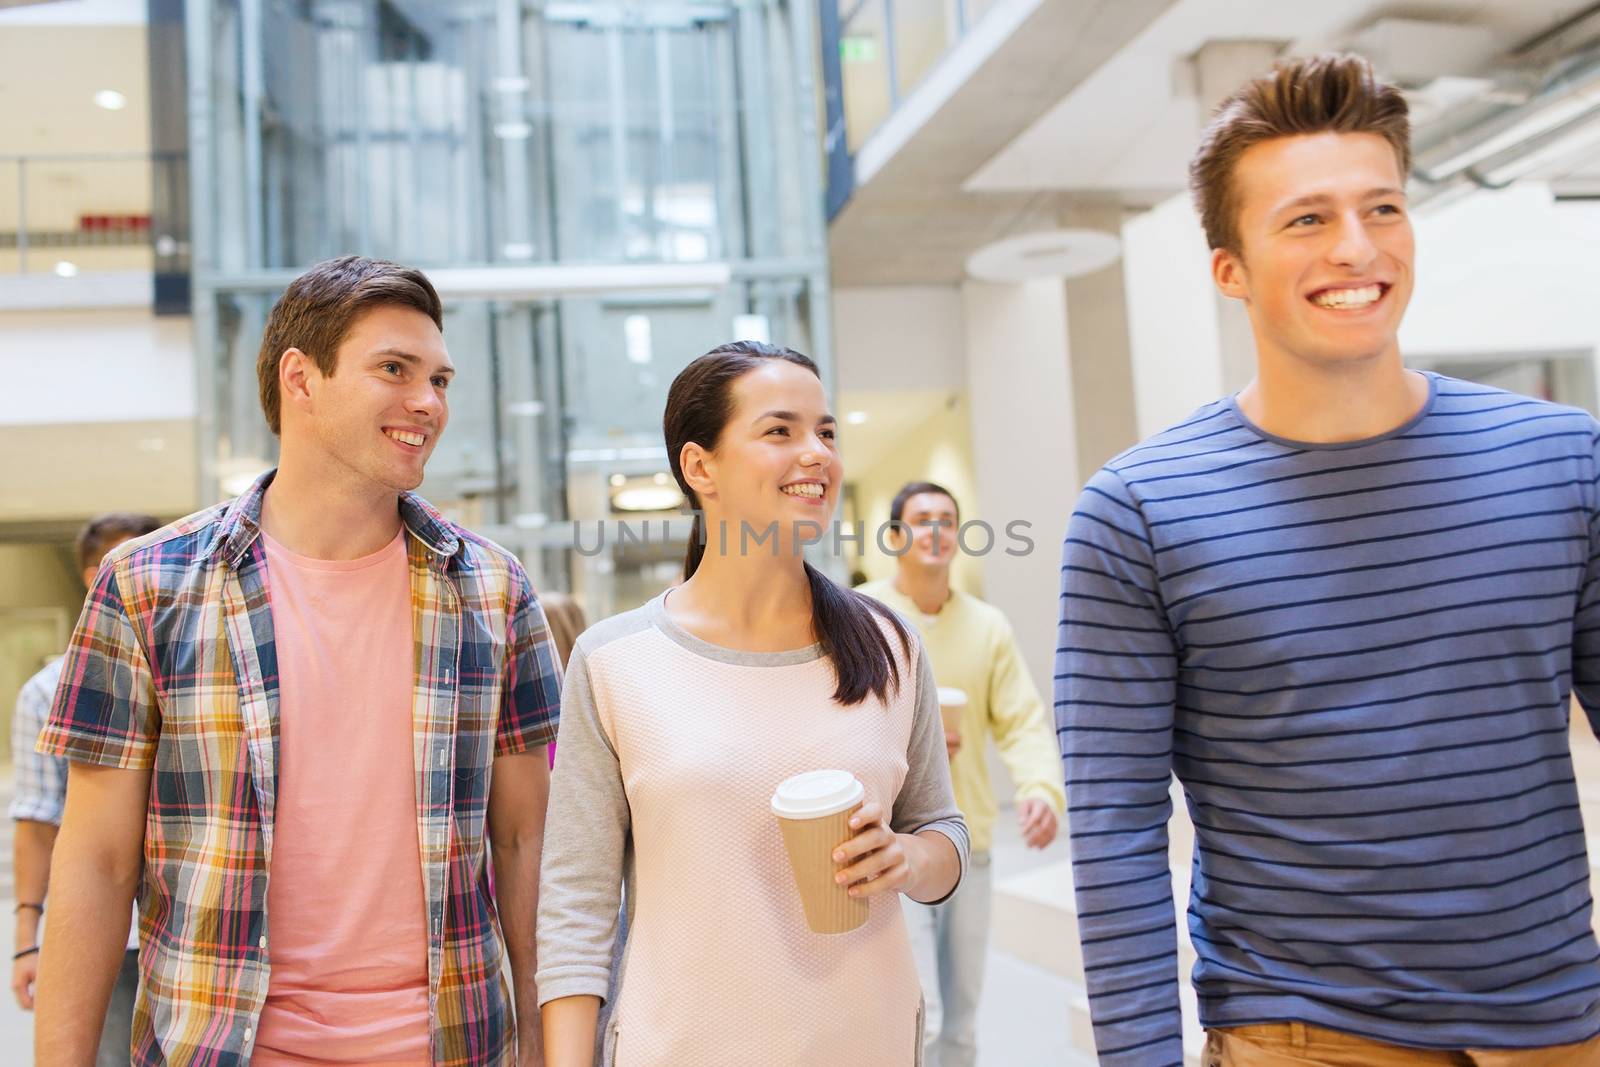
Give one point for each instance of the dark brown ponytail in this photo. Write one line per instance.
(699, 405)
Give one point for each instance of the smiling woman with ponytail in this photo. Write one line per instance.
(846, 624)
(680, 719)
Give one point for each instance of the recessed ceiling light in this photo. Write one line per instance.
(646, 498)
(619, 480)
(1045, 254)
(856, 418)
(152, 444)
(110, 99)
(66, 270)
(661, 478)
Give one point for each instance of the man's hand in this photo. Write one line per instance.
(1038, 823)
(24, 973)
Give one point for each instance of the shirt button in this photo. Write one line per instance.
(262, 942)
(248, 1033)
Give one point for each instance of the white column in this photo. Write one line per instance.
(1101, 367)
(1172, 315)
(1025, 453)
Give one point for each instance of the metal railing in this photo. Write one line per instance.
(876, 52)
(887, 46)
(88, 211)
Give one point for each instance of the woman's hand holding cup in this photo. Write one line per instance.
(876, 860)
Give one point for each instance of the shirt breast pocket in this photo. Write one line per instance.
(480, 680)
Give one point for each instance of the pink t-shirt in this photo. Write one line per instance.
(345, 911)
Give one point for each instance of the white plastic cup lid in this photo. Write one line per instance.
(951, 697)
(817, 793)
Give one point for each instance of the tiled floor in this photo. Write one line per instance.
(1023, 1020)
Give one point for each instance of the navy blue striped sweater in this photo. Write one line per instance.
(1357, 660)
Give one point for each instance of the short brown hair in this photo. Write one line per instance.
(103, 532)
(897, 506)
(316, 311)
(1329, 93)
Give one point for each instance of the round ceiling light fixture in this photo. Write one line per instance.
(110, 99)
(1044, 254)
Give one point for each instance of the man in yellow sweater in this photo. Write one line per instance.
(972, 649)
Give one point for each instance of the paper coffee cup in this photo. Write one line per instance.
(952, 707)
(813, 811)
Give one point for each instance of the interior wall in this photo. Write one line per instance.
(48, 78)
(95, 366)
(1499, 272)
(899, 337)
(40, 599)
(1506, 272)
(102, 402)
(897, 347)
(1024, 451)
(1172, 315)
(939, 451)
(38, 576)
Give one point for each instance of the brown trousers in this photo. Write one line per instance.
(1296, 1044)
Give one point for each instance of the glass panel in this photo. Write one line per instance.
(620, 355)
(923, 31)
(391, 128)
(977, 9)
(245, 447)
(864, 69)
(638, 137)
(393, 133)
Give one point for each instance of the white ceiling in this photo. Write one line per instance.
(64, 473)
(1131, 126)
(892, 416)
(1122, 133)
(909, 221)
(72, 12)
(48, 78)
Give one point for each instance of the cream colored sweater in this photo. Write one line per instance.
(670, 749)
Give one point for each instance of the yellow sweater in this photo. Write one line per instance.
(971, 646)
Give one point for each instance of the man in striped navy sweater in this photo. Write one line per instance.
(1347, 608)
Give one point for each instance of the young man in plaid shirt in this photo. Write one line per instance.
(304, 715)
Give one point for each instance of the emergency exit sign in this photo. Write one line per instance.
(858, 49)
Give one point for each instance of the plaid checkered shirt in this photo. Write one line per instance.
(41, 788)
(173, 668)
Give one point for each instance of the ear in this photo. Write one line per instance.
(1227, 271)
(699, 470)
(296, 374)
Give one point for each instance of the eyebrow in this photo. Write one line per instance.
(409, 357)
(1319, 199)
(789, 416)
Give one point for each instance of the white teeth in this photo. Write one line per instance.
(406, 437)
(806, 489)
(1348, 298)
